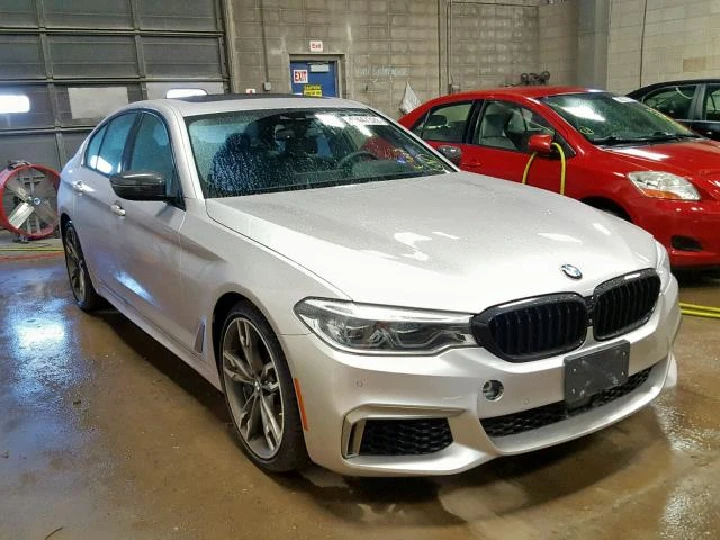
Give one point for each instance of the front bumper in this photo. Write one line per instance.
(342, 391)
(698, 221)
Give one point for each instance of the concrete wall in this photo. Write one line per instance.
(682, 40)
(381, 44)
(492, 45)
(558, 36)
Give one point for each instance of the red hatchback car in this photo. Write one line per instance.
(622, 157)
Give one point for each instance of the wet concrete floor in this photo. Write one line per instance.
(105, 435)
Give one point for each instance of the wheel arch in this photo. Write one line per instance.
(604, 203)
(223, 306)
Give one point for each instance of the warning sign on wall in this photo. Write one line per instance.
(312, 90)
(300, 76)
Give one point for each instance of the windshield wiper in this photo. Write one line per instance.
(614, 139)
(658, 136)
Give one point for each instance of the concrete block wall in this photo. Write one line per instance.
(381, 44)
(492, 45)
(558, 35)
(682, 41)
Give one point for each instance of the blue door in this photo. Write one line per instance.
(317, 78)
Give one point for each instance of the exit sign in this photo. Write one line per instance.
(317, 46)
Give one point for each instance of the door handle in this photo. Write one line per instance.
(78, 186)
(472, 163)
(117, 210)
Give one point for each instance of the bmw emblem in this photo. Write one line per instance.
(571, 271)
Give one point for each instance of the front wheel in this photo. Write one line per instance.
(259, 392)
(82, 288)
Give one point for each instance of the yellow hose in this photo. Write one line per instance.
(563, 167)
(696, 307)
(527, 167)
(695, 310)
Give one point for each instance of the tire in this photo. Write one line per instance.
(81, 285)
(259, 392)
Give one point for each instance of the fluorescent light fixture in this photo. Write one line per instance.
(177, 93)
(12, 104)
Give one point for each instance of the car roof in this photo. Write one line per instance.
(524, 91)
(220, 103)
(678, 82)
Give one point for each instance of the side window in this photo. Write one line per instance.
(509, 126)
(93, 148)
(445, 123)
(673, 101)
(152, 152)
(712, 104)
(109, 160)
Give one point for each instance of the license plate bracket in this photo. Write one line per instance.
(589, 374)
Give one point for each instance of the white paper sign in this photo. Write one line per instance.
(317, 46)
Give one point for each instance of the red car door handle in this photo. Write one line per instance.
(472, 163)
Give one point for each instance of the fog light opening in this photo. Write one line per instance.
(493, 390)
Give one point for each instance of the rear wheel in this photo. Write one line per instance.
(82, 288)
(259, 392)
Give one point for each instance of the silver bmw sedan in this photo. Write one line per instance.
(359, 301)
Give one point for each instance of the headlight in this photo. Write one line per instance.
(664, 185)
(364, 328)
(663, 265)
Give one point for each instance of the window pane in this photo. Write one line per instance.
(447, 124)
(712, 104)
(113, 145)
(509, 126)
(249, 152)
(673, 101)
(152, 151)
(93, 149)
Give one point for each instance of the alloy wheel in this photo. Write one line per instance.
(74, 263)
(252, 388)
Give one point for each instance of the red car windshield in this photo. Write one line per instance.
(604, 118)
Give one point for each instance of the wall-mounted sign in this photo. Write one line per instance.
(300, 76)
(320, 68)
(312, 90)
(317, 46)
(249, 90)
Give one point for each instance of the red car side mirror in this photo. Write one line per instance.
(541, 144)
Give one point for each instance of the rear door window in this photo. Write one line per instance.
(446, 123)
(672, 101)
(110, 158)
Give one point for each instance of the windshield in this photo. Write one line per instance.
(604, 118)
(260, 151)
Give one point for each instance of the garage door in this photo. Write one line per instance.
(65, 64)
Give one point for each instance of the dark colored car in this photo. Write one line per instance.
(693, 103)
(622, 157)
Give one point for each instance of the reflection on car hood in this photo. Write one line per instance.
(455, 241)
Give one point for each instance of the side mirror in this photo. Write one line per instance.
(139, 186)
(452, 153)
(541, 144)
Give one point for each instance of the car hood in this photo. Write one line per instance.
(698, 161)
(456, 241)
